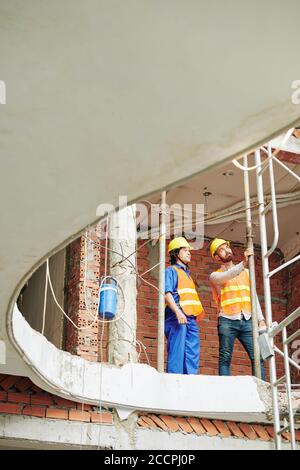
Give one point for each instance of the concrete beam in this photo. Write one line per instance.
(139, 386)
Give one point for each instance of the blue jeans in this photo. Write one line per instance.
(228, 331)
(183, 345)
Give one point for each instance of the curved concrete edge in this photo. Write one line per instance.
(138, 386)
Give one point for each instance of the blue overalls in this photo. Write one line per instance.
(183, 340)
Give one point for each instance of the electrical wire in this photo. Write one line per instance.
(45, 301)
(96, 314)
(61, 309)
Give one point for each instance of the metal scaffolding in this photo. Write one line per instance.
(282, 423)
(249, 235)
(288, 422)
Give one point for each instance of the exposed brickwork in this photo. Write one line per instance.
(85, 257)
(261, 432)
(222, 428)
(84, 407)
(235, 430)
(248, 431)
(42, 399)
(18, 397)
(184, 425)
(143, 423)
(209, 427)
(201, 266)
(41, 404)
(72, 280)
(9, 381)
(170, 422)
(58, 408)
(148, 422)
(3, 396)
(62, 402)
(229, 429)
(10, 408)
(289, 157)
(37, 411)
(23, 384)
(76, 415)
(159, 422)
(56, 413)
(196, 425)
(103, 418)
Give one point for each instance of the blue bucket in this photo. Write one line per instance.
(108, 300)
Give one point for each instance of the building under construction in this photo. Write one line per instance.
(116, 139)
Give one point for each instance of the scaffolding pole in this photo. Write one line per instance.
(267, 291)
(161, 280)
(249, 236)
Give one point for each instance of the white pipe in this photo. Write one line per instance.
(267, 293)
(161, 296)
(273, 205)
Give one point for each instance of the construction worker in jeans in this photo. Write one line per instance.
(183, 308)
(230, 287)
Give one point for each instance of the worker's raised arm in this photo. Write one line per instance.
(220, 277)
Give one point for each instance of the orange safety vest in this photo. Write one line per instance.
(188, 298)
(234, 295)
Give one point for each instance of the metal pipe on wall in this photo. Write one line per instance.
(161, 281)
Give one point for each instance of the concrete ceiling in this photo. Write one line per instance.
(220, 192)
(109, 98)
(226, 187)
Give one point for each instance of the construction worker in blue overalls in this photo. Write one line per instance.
(183, 309)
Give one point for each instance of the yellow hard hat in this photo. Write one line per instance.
(215, 245)
(177, 243)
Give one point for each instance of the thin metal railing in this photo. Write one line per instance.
(267, 274)
(267, 290)
(249, 235)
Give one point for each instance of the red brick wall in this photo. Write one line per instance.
(72, 296)
(201, 266)
(18, 395)
(85, 259)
